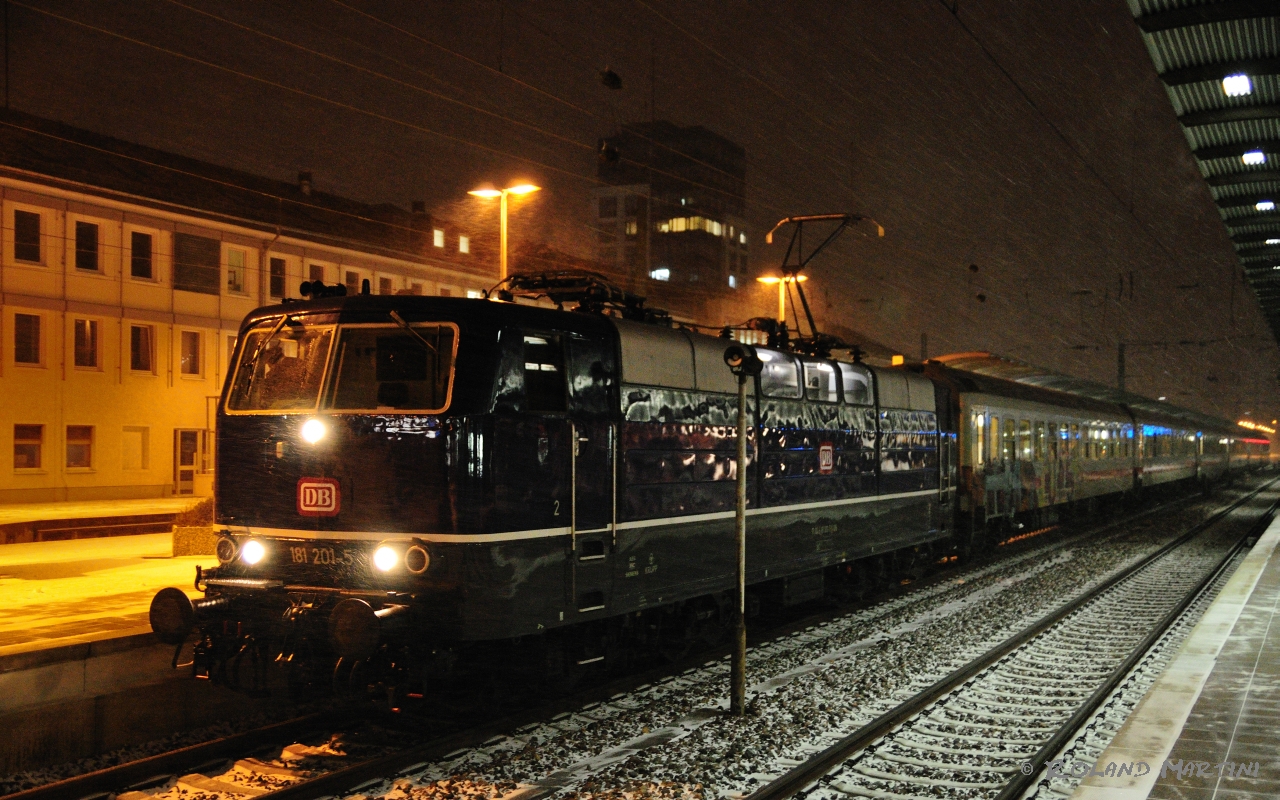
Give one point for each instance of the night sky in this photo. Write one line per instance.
(1032, 140)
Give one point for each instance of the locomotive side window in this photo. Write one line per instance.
(780, 376)
(857, 384)
(387, 368)
(544, 387)
(280, 367)
(821, 383)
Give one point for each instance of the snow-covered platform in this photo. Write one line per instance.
(1209, 725)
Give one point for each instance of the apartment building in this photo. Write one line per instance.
(124, 274)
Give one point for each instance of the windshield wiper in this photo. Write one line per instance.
(253, 362)
(395, 316)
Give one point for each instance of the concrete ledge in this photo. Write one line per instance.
(1152, 730)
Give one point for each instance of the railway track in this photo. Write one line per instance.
(316, 763)
(991, 728)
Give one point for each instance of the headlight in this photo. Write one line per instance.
(313, 430)
(226, 549)
(417, 559)
(252, 552)
(384, 558)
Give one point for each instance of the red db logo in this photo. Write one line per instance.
(826, 458)
(319, 497)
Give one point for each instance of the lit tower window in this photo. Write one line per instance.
(1254, 157)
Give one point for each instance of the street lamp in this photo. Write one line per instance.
(782, 290)
(488, 191)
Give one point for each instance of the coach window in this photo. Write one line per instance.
(821, 383)
(1007, 443)
(544, 387)
(1024, 440)
(857, 384)
(1073, 441)
(1051, 441)
(780, 376)
(1039, 441)
(980, 439)
(993, 438)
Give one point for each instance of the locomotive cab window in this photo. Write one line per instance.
(544, 384)
(389, 368)
(280, 367)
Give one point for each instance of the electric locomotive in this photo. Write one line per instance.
(429, 472)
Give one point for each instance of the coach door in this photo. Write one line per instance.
(591, 384)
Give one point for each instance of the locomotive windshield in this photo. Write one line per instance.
(383, 367)
(283, 367)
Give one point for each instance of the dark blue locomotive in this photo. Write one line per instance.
(423, 473)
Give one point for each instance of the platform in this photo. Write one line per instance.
(1209, 725)
(74, 592)
(39, 522)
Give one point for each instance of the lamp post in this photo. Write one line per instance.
(745, 365)
(488, 191)
(782, 290)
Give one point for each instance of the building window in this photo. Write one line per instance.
(277, 277)
(660, 274)
(79, 446)
(630, 228)
(437, 237)
(26, 339)
(316, 272)
(733, 281)
(195, 263)
(608, 207)
(190, 358)
(632, 204)
(235, 271)
(445, 291)
(27, 441)
(352, 281)
(86, 334)
(385, 286)
(415, 288)
(26, 236)
(464, 244)
(135, 448)
(87, 246)
(140, 255)
(141, 348)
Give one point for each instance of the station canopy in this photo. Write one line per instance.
(994, 366)
(1220, 63)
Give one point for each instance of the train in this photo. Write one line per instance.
(413, 478)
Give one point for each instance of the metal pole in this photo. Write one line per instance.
(1120, 367)
(738, 687)
(502, 237)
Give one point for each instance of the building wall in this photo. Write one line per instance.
(152, 358)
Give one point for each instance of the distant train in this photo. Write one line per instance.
(417, 476)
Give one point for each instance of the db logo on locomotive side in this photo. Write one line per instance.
(826, 458)
(319, 497)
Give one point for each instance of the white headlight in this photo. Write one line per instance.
(313, 430)
(384, 558)
(253, 551)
